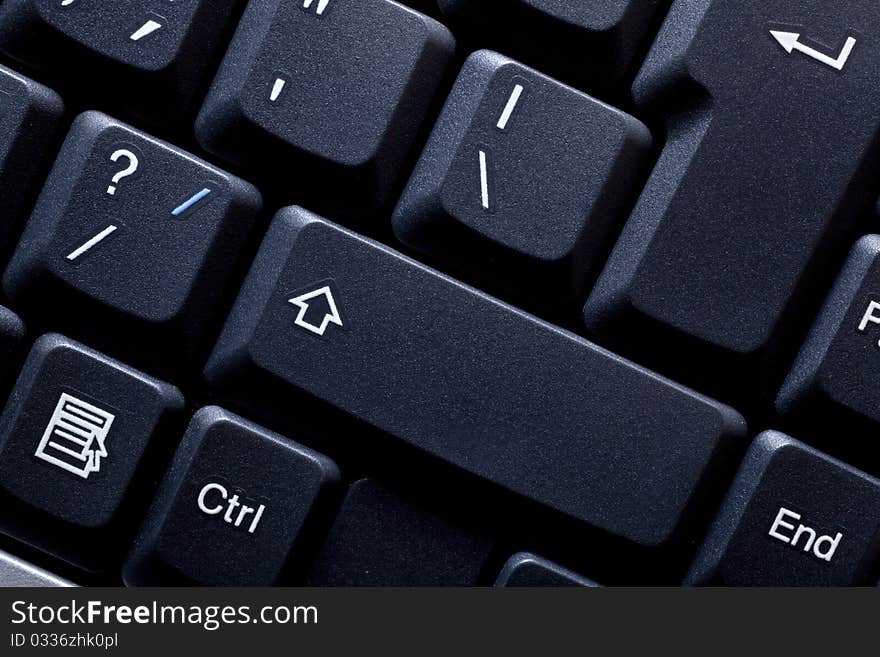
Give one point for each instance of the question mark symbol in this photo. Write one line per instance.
(133, 164)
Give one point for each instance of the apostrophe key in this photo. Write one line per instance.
(528, 570)
(771, 159)
(231, 508)
(382, 538)
(29, 117)
(522, 181)
(326, 97)
(144, 58)
(794, 517)
(521, 405)
(131, 237)
(73, 440)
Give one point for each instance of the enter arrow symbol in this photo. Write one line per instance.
(317, 300)
(790, 41)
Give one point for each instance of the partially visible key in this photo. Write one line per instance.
(15, 572)
(328, 315)
(793, 517)
(131, 237)
(73, 437)
(833, 382)
(326, 97)
(528, 570)
(427, 7)
(12, 333)
(29, 117)
(231, 508)
(744, 218)
(147, 59)
(381, 538)
(590, 43)
(522, 181)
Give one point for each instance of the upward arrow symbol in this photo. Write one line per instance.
(322, 296)
(791, 42)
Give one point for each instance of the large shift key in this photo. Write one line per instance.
(772, 155)
(328, 315)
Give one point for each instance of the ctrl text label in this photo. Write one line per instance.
(215, 499)
(803, 537)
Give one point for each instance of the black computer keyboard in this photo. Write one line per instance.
(526, 292)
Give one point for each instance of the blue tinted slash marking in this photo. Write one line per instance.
(186, 205)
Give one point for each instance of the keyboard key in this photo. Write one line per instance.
(833, 380)
(146, 59)
(29, 117)
(427, 7)
(131, 237)
(328, 315)
(12, 333)
(15, 572)
(717, 271)
(231, 507)
(522, 180)
(72, 439)
(591, 43)
(380, 538)
(332, 91)
(794, 517)
(526, 569)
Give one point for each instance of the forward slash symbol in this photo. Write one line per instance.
(100, 237)
(146, 30)
(504, 119)
(191, 202)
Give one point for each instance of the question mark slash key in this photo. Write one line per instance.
(140, 237)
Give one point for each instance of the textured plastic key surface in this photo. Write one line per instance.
(29, 117)
(131, 237)
(149, 59)
(772, 154)
(330, 315)
(591, 43)
(72, 439)
(382, 538)
(522, 180)
(12, 333)
(833, 380)
(326, 98)
(231, 507)
(793, 517)
(527, 570)
(15, 572)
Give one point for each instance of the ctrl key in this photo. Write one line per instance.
(232, 507)
(794, 517)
